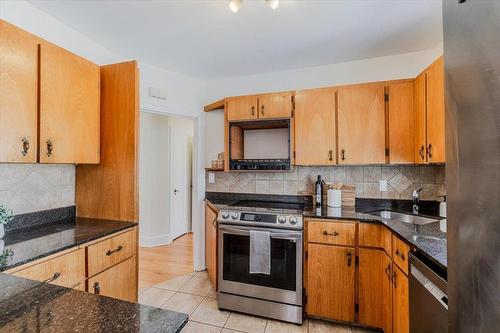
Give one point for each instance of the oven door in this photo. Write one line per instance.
(284, 284)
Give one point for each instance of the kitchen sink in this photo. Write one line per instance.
(402, 217)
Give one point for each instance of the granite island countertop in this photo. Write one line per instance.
(32, 243)
(31, 306)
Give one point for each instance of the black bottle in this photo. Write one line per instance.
(319, 191)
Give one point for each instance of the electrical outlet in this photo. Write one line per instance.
(211, 177)
(383, 185)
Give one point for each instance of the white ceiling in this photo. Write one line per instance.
(205, 39)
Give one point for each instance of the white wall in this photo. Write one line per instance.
(377, 69)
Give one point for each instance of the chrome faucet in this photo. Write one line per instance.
(416, 199)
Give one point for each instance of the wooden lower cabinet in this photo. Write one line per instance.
(331, 288)
(400, 301)
(116, 282)
(211, 244)
(370, 287)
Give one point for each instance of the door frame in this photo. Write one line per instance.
(198, 187)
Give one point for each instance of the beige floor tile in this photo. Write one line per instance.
(209, 313)
(198, 285)
(202, 274)
(154, 296)
(212, 293)
(184, 303)
(176, 283)
(194, 327)
(275, 326)
(244, 323)
(320, 326)
(227, 330)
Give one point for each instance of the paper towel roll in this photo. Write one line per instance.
(334, 198)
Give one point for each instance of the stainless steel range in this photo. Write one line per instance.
(276, 295)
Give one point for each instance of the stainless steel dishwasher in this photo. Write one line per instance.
(428, 299)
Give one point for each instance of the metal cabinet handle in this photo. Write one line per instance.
(118, 249)
(330, 155)
(262, 109)
(399, 254)
(53, 278)
(342, 154)
(253, 110)
(326, 233)
(387, 271)
(97, 288)
(421, 152)
(26, 146)
(50, 148)
(349, 258)
(394, 279)
(429, 151)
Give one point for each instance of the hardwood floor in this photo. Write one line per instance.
(158, 264)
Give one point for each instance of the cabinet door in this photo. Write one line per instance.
(400, 303)
(361, 124)
(401, 123)
(419, 98)
(315, 127)
(18, 94)
(387, 294)
(435, 113)
(370, 287)
(69, 107)
(330, 292)
(242, 108)
(211, 244)
(275, 106)
(119, 281)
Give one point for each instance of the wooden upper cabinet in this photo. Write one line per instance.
(435, 113)
(419, 101)
(69, 107)
(370, 287)
(275, 106)
(242, 108)
(401, 123)
(361, 124)
(18, 94)
(315, 127)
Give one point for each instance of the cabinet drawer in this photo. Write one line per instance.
(119, 281)
(66, 270)
(111, 251)
(400, 252)
(332, 232)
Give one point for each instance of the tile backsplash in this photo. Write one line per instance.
(26, 188)
(401, 180)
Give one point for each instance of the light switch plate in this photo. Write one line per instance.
(383, 185)
(211, 177)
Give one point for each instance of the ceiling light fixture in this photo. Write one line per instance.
(235, 5)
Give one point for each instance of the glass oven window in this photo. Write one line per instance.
(236, 259)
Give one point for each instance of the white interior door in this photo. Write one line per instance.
(179, 183)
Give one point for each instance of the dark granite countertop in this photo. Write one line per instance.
(428, 240)
(31, 306)
(31, 243)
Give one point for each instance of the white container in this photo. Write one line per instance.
(334, 198)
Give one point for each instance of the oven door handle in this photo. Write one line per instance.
(246, 232)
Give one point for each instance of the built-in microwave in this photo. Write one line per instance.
(260, 145)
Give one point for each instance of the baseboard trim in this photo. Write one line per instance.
(153, 241)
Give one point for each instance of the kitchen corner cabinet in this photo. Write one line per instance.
(361, 124)
(69, 107)
(315, 134)
(211, 243)
(267, 106)
(18, 94)
(428, 97)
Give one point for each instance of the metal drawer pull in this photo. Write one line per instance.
(253, 110)
(429, 149)
(330, 155)
(342, 154)
(97, 288)
(394, 279)
(398, 254)
(118, 249)
(26, 146)
(387, 271)
(53, 278)
(326, 233)
(262, 108)
(349, 258)
(50, 148)
(421, 152)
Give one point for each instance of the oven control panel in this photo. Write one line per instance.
(260, 219)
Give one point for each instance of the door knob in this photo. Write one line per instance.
(175, 191)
